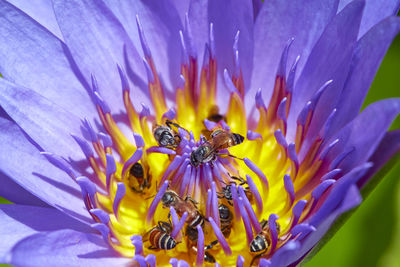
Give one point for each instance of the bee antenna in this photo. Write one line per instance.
(150, 197)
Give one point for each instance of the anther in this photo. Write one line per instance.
(220, 237)
(185, 181)
(326, 150)
(253, 135)
(86, 149)
(119, 195)
(156, 200)
(103, 229)
(283, 60)
(170, 114)
(291, 76)
(256, 194)
(101, 215)
(246, 220)
(106, 140)
(212, 40)
(138, 244)
(141, 260)
(302, 230)
(228, 82)
(89, 130)
(143, 41)
(264, 263)
(178, 227)
(235, 198)
(145, 112)
(240, 261)
(124, 80)
(60, 163)
(274, 233)
(295, 162)
(214, 204)
(298, 210)
(257, 171)
(208, 203)
(132, 160)
(200, 246)
(149, 72)
(111, 168)
(289, 190)
(151, 260)
(161, 150)
(253, 218)
(331, 175)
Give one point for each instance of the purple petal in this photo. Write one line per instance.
(327, 61)
(374, 120)
(338, 193)
(389, 146)
(66, 247)
(42, 12)
(367, 57)
(103, 32)
(351, 199)
(19, 222)
(15, 193)
(32, 57)
(374, 12)
(269, 29)
(45, 122)
(238, 16)
(36, 174)
(160, 23)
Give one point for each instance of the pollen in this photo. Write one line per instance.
(198, 183)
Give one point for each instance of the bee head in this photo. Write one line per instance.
(168, 198)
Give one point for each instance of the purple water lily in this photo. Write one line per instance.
(156, 133)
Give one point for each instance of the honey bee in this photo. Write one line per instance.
(227, 190)
(137, 180)
(189, 205)
(159, 236)
(220, 139)
(214, 115)
(263, 240)
(167, 136)
(225, 218)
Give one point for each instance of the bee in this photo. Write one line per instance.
(214, 115)
(137, 180)
(227, 190)
(159, 236)
(194, 218)
(167, 135)
(207, 256)
(220, 139)
(225, 218)
(263, 240)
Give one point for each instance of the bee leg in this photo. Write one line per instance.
(230, 203)
(211, 245)
(256, 258)
(152, 248)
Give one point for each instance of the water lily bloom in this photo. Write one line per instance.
(183, 133)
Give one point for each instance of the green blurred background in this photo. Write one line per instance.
(371, 236)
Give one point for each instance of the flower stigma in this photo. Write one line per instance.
(201, 184)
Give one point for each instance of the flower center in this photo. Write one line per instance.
(200, 184)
